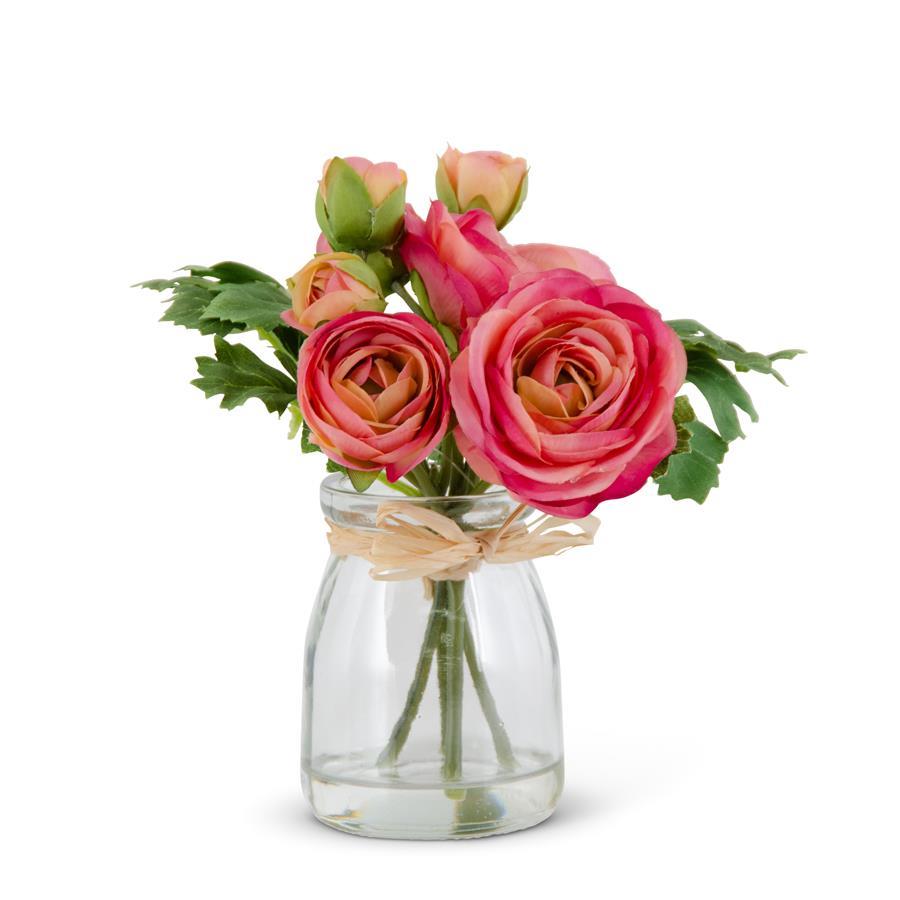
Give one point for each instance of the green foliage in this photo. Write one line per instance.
(238, 374)
(692, 469)
(695, 336)
(224, 298)
(254, 304)
(722, 391)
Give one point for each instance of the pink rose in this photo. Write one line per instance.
(331, 285)
(373, 389)
(463, 261)
(542, 257)
(564, 393)
(484, 179)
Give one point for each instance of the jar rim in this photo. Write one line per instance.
(336, 483)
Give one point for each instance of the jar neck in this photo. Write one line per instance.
(473, 512)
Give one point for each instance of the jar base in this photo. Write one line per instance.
(413, 811)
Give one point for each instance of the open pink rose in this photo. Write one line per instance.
(373, 389)
(331, 285)
(542, 257)
(462, 260)
(564, 393)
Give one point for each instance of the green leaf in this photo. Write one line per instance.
(188, 308)
(332, 466)
(233, 272)
(362, 481)
(691, 473)
(255, 304)
(238, 374)
(695, 336)
(194, 293)
(722, 391)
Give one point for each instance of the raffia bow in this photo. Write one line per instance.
(416, 542)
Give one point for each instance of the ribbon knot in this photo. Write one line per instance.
(411, 541)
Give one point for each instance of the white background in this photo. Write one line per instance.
(730, 672)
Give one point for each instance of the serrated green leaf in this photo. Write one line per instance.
(255, 304)
(692, 473)
(722, 391)
(188, 308)
(683, 411)
(238, 374)
(232, 272)
(332, 466)
(695, 336)
(361, 481)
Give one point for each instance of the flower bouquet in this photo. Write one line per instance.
(466, 435)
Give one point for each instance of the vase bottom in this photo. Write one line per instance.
(409, 808)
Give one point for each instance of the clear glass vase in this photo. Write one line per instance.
(431, 708)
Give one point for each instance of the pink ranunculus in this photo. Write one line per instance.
(462, 260)
(483, 179)
(565, 390)
(543, 257)
(331, 285)
(373, 389)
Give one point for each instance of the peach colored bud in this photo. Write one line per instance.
(482, 180)
(359, 204)
(330, 285)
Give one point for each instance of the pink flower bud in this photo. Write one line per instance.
(328, 286)
(482, 180)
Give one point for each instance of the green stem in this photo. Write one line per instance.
(450, 654)
(407, 298)
(402, 726)
(398, 485)
(421, 477)
(502, 745)
(276, 342)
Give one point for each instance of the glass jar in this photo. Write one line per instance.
(431, 708)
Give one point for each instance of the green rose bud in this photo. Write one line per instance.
(359, 204)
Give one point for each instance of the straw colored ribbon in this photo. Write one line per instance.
(416, 542)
